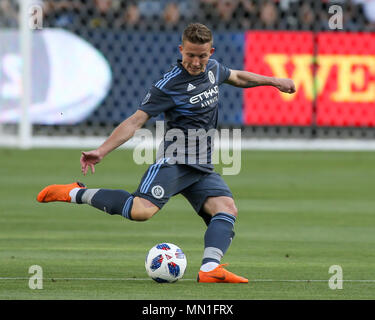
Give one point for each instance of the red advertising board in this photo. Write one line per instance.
(334, 75)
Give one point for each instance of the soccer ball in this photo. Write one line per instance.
(165, 262)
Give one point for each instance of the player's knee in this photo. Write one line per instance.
(228, 206)
(143, 209)
(232, 209)
(215, 205)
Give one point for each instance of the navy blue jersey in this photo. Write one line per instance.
(189, 103)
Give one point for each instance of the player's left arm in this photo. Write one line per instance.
(246, 79)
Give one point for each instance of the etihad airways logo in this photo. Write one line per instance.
(211, 94)
(354, 81)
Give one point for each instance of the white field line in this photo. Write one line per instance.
(145, 279)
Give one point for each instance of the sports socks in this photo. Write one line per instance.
(111, 201)
(217, 239)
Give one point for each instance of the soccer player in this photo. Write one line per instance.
(188, 95)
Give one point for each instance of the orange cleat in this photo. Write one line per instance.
(219, 274)
(58, 192)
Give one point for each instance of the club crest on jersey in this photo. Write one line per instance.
(211, 77)
(157, 192)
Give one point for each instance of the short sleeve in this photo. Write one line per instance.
(156, 102)
(224, 73)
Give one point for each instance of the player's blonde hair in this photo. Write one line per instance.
(197, 33)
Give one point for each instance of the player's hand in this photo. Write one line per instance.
(285, 85)
(89, 159)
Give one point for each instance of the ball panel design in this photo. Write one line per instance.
(163, 246)
(156, 262)
(165, 262)
(160, 280)
(174, 269)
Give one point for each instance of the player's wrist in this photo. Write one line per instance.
(275, 82)
(102, 152)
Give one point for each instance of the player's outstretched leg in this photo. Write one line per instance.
(111, 201)
(217, 239)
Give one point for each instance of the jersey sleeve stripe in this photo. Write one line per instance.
(171, 76)
(165, 76)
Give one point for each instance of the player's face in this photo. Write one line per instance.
(195, 56)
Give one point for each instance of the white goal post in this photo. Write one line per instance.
(25, 38)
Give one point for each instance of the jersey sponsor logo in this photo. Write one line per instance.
(210, 93)
(157, 192)
(190, 87)
(211, 77)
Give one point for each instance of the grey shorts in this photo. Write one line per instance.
(162, 180)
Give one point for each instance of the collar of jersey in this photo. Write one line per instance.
(179, 63)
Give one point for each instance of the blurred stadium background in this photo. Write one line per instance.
(81, 88)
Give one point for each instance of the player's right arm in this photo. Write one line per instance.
(122, 133)
(246, 79)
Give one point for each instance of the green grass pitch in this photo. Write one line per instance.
(299, 214)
